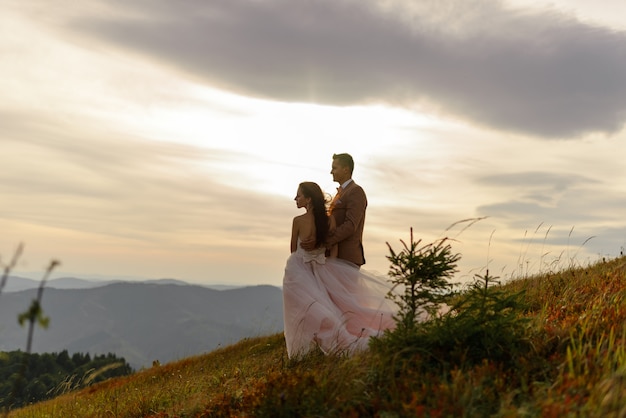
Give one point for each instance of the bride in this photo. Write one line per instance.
(328, 302)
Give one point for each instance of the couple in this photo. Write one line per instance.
(328, 301)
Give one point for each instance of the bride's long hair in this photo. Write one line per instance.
(318, 203)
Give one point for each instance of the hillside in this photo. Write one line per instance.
(143, 322)
(575, 366)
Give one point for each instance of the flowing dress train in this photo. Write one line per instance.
(332, 304)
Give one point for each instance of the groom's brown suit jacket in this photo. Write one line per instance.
(349, 213)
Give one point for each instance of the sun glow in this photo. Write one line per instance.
(278, 144)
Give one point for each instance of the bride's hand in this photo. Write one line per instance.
(308, 244)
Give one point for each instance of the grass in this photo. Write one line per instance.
(576, 368)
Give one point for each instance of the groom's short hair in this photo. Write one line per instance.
(345, 160)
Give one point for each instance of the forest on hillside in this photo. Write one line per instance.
(29, 378)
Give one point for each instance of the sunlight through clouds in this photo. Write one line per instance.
(281, 144)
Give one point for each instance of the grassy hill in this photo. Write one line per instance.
(575, 366)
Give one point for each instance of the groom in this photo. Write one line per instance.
(348, 208)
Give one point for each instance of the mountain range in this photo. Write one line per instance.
(16, 283)
(143, 322)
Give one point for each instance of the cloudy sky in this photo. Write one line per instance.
(160, 138)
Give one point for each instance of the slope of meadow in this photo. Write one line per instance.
(575, 367)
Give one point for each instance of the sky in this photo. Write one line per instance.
(160, 139)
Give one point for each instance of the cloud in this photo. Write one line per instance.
(128, 188)
(553, 199)
(537, 186)
(544, 74)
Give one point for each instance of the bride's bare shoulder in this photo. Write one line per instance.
(303, 221)
(301, 218)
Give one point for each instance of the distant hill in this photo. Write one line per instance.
(143, 322)
(17, 284)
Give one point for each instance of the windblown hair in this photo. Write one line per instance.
(344, 160)
(318, 201)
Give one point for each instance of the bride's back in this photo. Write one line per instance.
(306, 228)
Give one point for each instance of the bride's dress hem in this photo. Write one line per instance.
(332, 304)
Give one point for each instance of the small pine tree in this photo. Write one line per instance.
(423, 271)
(487, 322)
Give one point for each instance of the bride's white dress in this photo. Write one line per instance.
(330, 303)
